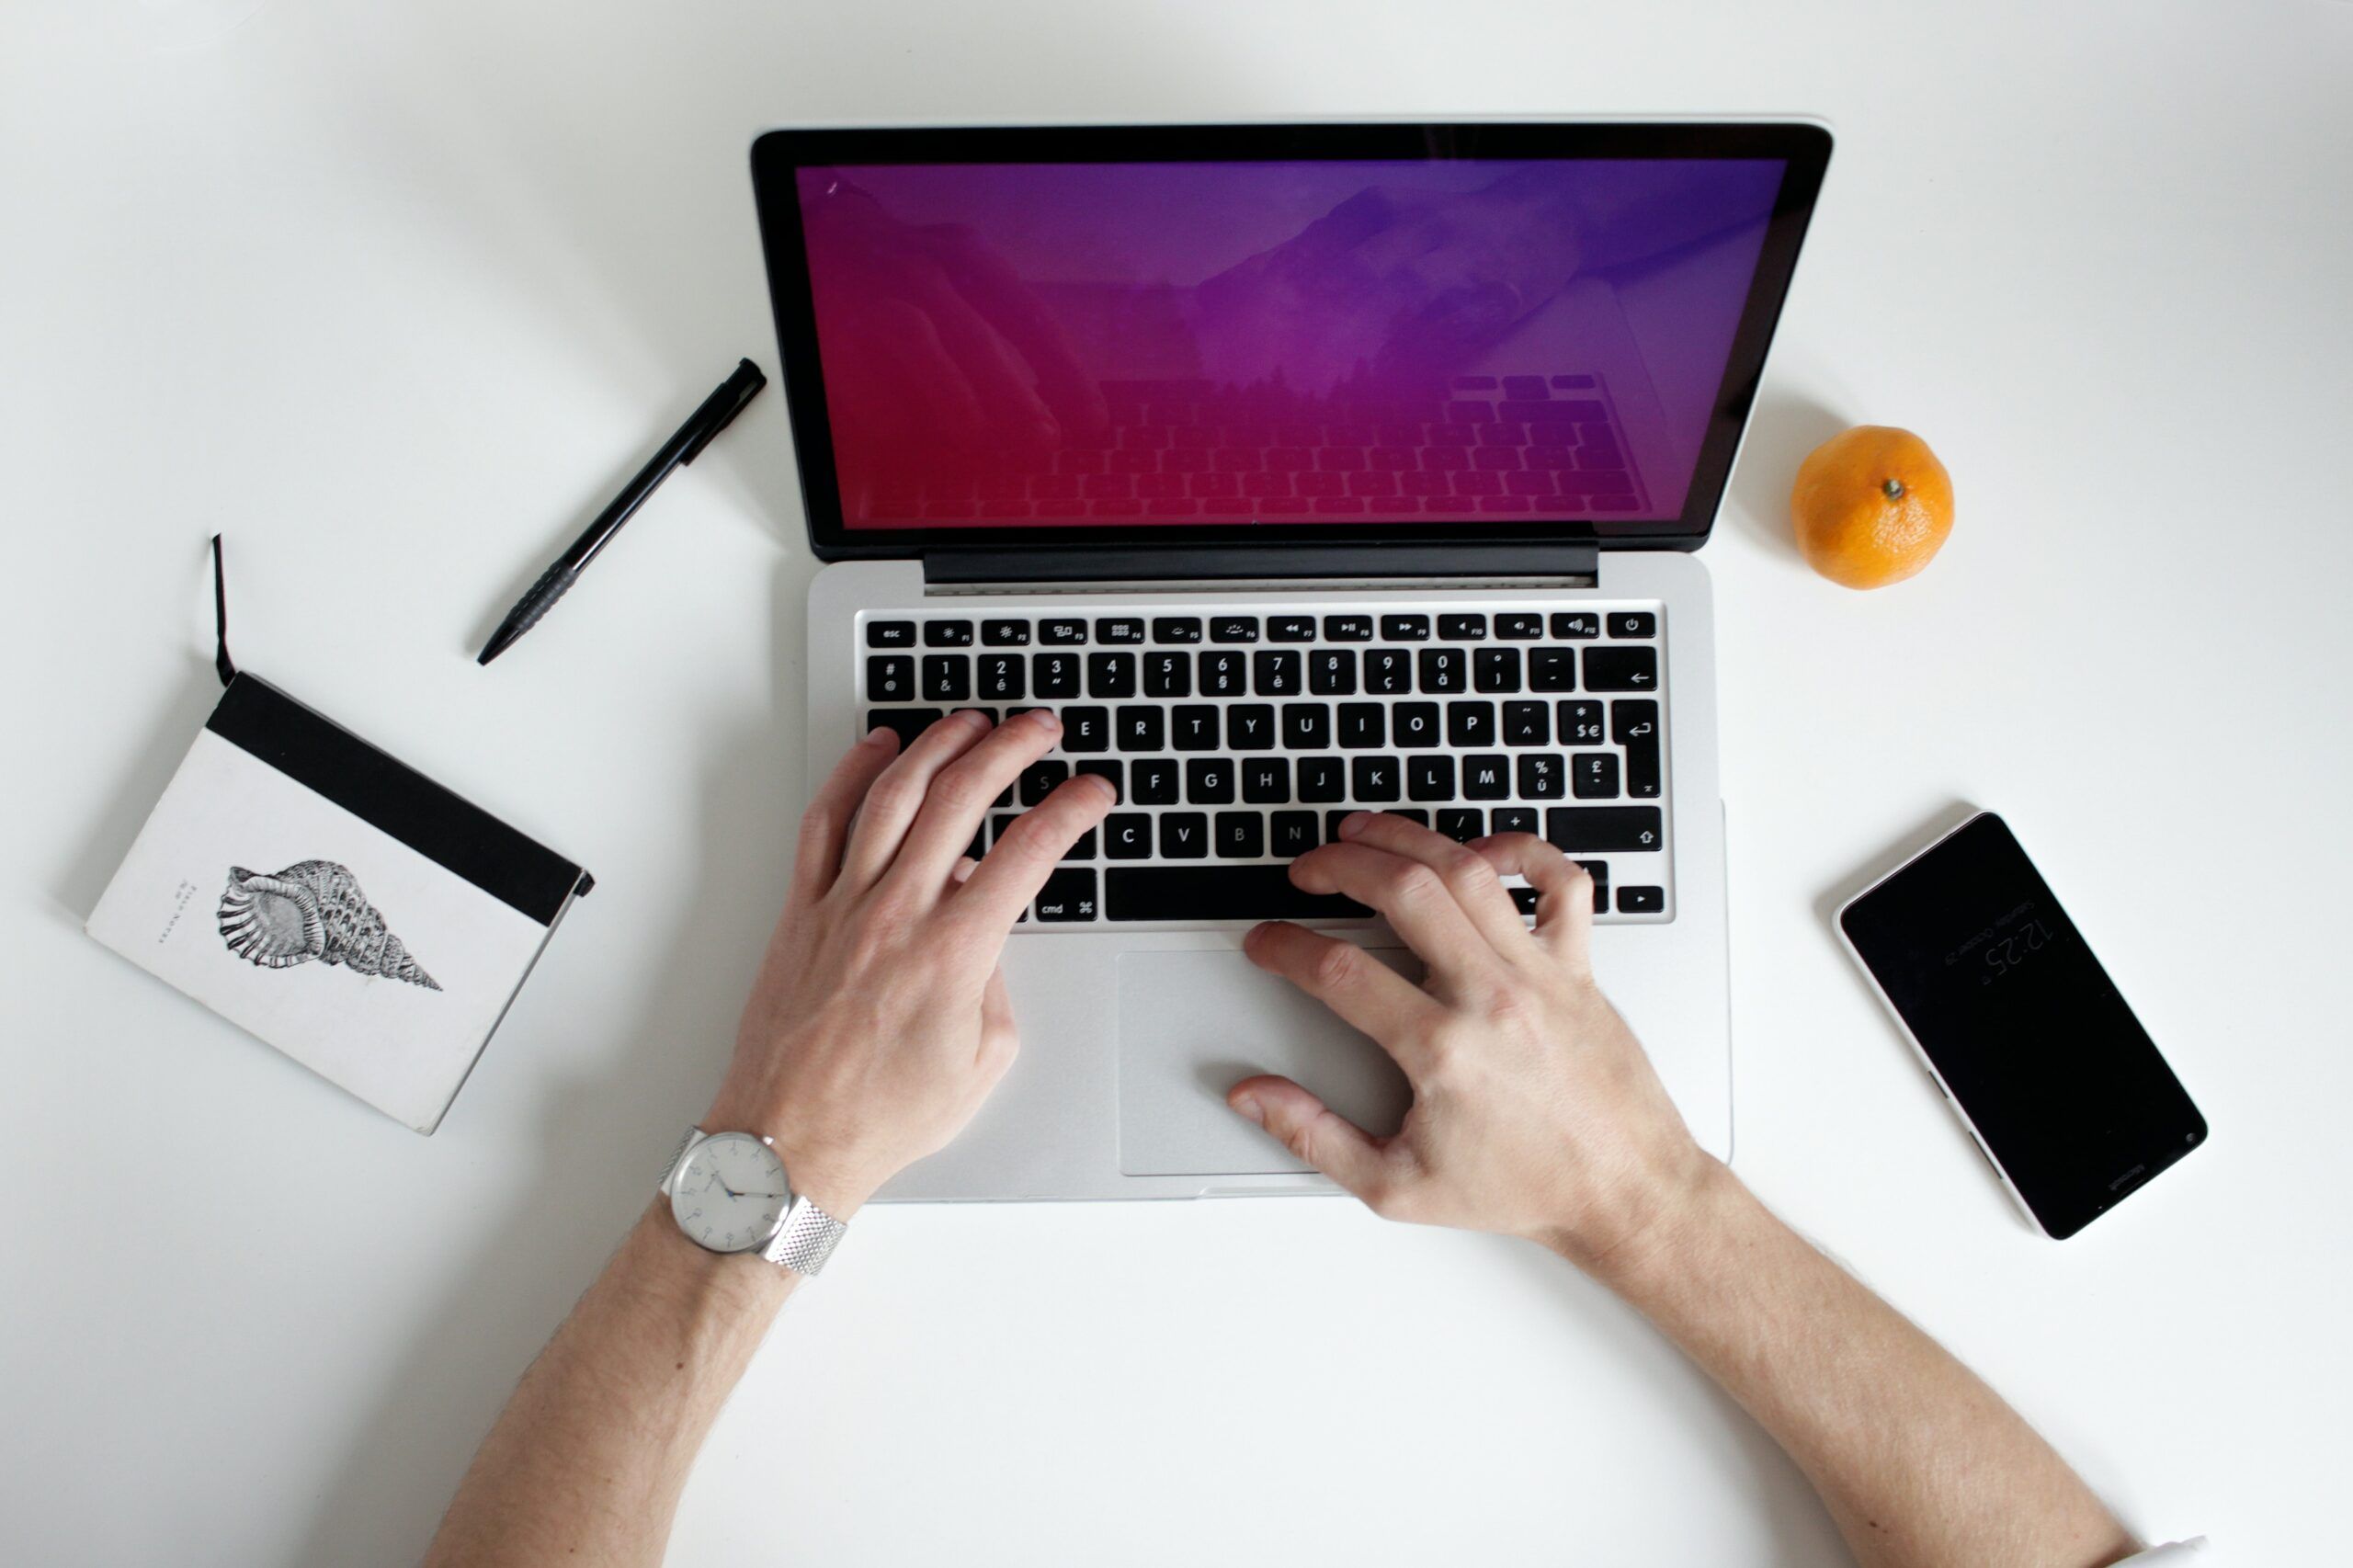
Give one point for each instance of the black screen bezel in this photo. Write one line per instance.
(2061, 1212)
(776, 155)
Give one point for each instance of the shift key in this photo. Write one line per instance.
(1590, 829)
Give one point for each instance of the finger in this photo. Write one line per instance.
(890, 805)
(1367, 994)
(826, 825)
(1025, 854)
(959, 797)
(999, 1042)
(1563, 888)
(1414, 898)
(1468, 876)
(1314, 1133)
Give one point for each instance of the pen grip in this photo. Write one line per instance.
(553, 583)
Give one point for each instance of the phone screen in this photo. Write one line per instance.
(2067, 1091)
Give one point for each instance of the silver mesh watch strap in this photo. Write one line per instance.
(805, 1239)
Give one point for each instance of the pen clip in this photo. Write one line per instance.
(220, 660)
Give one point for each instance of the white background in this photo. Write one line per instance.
(397, 294)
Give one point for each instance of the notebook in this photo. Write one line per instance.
(334, 903)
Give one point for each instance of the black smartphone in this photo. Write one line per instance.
(2062, 1089)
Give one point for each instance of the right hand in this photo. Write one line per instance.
(1535, 1111)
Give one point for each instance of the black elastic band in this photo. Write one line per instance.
(220, 660)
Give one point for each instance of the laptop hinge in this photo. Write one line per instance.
(1195, 568)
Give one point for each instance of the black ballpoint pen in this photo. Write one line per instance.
(706, 421)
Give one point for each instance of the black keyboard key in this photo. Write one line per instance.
(1462, 824)
(1331, 672)
(1322, 780)
(947, 678)
(1540, 777)
(890, 633)
(1274, 673)
(1168, 675)
(1551, 669)
(1621, 669)
(1463, 628)
(1054, 675)
(1633, 723)
(1388, 671)
(1414, 724)
(1642, 900)
(1486, 777)
(1103, 767)
(1414, 814)
(1294, 834)
(1429, 778)
(1633, 623)
(1184, 835)
(1225, 675)
(1086, 728)
(1495, 669)
(891, 677)
(1177, 629)
(1142, 727)
(1595, 829)
(1082, 848)
(1004, 633)
(1062, 633)
(1151, 782)
(1404, 629)
(1119, 630)
(909, 722)
(1373, 779)
(1208, 781)
(1250, 726)
(1003, 677)
(1291, 628)
(1068, 895)
(1576, 625)
(1037, 780)
(1581, 723)
(1193, 726)
(1241, 835)
(1234, 629)
(1471, 723)
(1445, 670)
(1331, 821)
(980, 844)
(1111, 676)
(1127, 836)
(1596, 774)
(1001, 823)
(947, 633)
(1266, 780)
(1519, 628)
(1348, 629)
(1599, 870)
(1515, 819)
(1307, 726)
(1527, 725)
(1362, 725)
(1218, 893)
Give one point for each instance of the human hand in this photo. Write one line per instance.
(1535, 1111)
(880, 1021)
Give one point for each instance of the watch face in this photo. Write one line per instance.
(730, 1193)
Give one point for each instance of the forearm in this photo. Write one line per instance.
(1918, 1461)
(585, 1464)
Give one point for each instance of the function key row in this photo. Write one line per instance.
(1062, 631)
(1265, 672)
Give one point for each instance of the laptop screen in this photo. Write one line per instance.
(1239, 343)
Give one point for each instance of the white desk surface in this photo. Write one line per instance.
(395, 294)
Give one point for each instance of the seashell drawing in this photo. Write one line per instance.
(313, 909)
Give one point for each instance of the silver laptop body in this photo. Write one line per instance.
(1245, 657)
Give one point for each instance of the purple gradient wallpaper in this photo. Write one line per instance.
(1039, 344)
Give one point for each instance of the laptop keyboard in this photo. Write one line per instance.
(1238, 741)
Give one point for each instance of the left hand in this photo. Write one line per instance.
(880, 1020)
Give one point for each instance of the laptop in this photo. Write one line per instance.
(1301, 469)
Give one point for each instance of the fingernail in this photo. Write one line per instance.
(1109, 789)
(1248, 1107)
(874, 736)
(1044, 718)
(973, 717)
(1353, 824)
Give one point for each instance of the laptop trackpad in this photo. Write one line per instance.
(1193, 1024)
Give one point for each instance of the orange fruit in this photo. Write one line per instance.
(1873, 505)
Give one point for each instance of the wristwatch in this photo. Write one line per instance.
(729, 1193)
